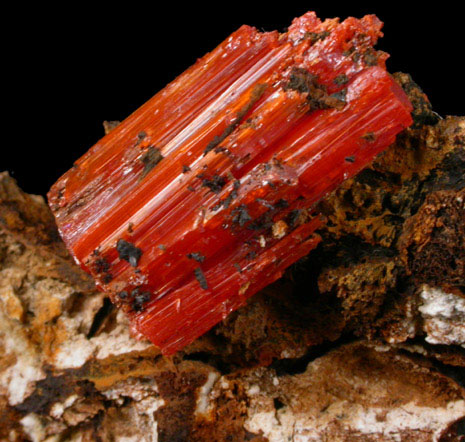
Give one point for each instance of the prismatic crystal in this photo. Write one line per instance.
(205, 194)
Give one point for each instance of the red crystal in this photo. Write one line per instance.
(204, 195)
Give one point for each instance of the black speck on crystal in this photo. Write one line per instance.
(215, 184)
(201, 278)
(101, 265)
(139, 300)
(150, 159)
(241, 215)
(123, 294)
(196, 256)
(129, 252)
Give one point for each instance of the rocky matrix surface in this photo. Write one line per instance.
(361, 340)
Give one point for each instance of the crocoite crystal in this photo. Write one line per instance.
(205, 194)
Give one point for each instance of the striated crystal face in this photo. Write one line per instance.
(205, 194)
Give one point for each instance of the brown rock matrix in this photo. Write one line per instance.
(364, 339)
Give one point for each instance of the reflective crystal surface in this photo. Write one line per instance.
(205, 194)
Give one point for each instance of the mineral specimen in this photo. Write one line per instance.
(206, 194)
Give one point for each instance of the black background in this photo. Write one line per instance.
(68, 69)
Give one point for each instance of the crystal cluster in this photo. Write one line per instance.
(205, 194)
